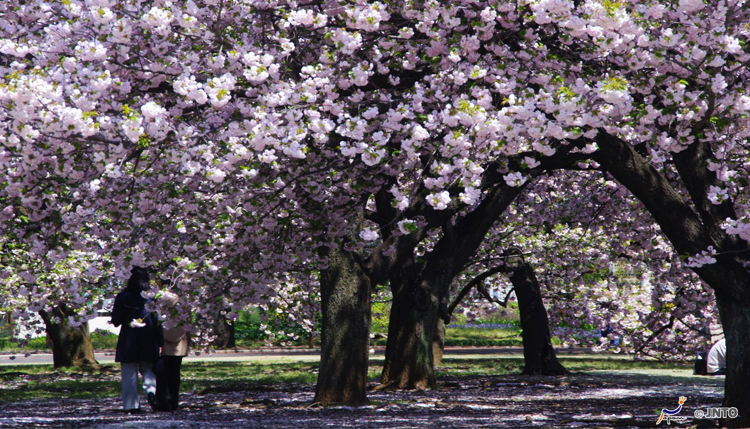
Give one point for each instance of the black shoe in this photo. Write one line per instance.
(133, 411)
(152, 401)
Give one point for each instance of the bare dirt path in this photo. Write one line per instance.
(593, 399)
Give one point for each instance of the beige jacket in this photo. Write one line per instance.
(175, 339)
(175, 342)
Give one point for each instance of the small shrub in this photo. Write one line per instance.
(248, 332)
(102, 339)
(381, 312)
(5, 343)
(38, 343)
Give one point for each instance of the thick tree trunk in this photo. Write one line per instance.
(71, 347)
(409, 361)
(538, 353)
(736, 320)
(345, 333)
(408, 353)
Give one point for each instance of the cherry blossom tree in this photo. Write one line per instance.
(601, 260)
(664, 86)
(233, 140)
(64, 292)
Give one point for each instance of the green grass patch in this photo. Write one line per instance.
(499, 365)
(24, 382)
(77, 389)
(201, 375)
(472, 337)
(617, 363)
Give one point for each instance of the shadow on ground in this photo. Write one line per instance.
(580, 400)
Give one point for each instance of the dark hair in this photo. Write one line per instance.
(139, 280)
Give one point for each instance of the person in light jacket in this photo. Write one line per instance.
(139, 340)
(175, 348)
(716, 362)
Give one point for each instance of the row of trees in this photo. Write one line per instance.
(232, 144)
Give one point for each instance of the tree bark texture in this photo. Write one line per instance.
(71, 347)
(538, 353)
(411, 328)
(345, 332)
(736, 320)
(438, 342)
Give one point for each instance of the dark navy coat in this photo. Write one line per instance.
(135, 344)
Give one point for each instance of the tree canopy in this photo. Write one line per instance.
(224, 142)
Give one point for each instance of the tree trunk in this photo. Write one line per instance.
(224, 333)
(345, 333)
(438, 342)
(538, 353)
(736, 320)
(417, 298)
(409, 361)
(71, 347)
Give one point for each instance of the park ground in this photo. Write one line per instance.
(275, 390)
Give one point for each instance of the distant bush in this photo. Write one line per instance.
(248, 331)
(381, 312)
(4, 343)
(102, 339)
(37, 344)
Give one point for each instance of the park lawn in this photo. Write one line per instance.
(472, 337)
(20, 382)
(24, 382)
(503, 365)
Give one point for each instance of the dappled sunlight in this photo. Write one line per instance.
(585, 399)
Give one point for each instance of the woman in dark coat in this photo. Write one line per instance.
(139, 341)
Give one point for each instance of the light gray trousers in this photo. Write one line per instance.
(130, 382)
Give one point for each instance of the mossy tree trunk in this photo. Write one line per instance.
(438, 342)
